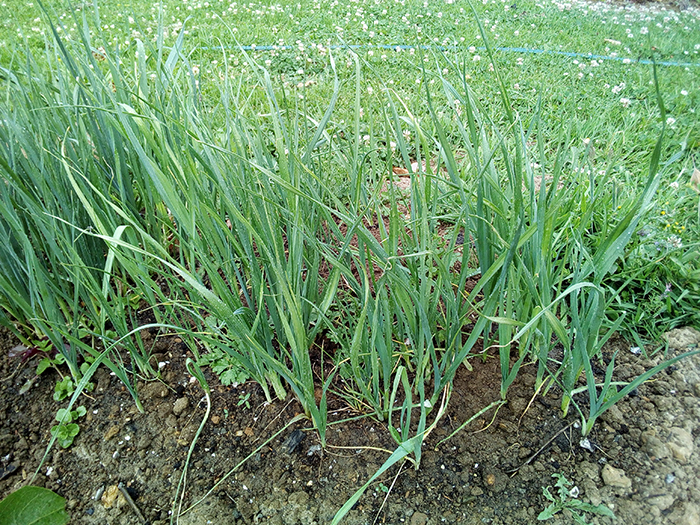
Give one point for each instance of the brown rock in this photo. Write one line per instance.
(113, 431)
(615, 477)
(681, 444)
(419, 518)
(180, 405)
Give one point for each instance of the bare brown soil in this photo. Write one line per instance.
(644, 463)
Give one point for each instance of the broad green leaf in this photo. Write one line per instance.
(33, 506)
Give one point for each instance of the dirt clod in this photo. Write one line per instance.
(615, 477)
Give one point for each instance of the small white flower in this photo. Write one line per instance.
(670, 121)
(674, 185)
(476, 58)
(674, 241)
(684, 92)
(625, 102)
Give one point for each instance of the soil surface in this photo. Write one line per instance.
(643, 461)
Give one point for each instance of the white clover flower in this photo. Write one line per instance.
(674, 185)
(674, 241)
(684, 92)
(476, 58)
(625, 102)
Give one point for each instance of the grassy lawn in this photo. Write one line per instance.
(608, 101)
(236, 169)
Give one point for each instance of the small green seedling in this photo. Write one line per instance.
(66, 430)
(50, 362)
(243, 400)
(66, 386)
(567, 500)
(64, 389)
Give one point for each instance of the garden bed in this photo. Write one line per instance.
(643, 465)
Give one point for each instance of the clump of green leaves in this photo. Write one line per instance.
(66, 385)
(567, 500)
(66, 430)
(225, 366)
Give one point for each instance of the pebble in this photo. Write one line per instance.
(419, 518)
(113, 431)
(153, 390)
(180, 405)
(690, 515)
(662, 502)
(590, 470)
(110, 495)
(300, 498)
(615, 477)
(143, 442)
(653, 445)
(681, 444)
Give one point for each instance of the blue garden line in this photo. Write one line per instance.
(526, 50)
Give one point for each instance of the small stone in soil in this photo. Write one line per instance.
(681, 444)
(110, 496)
(180, 405)
(662, 502)
(615, 477)
(419, 518)
(113, 431)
